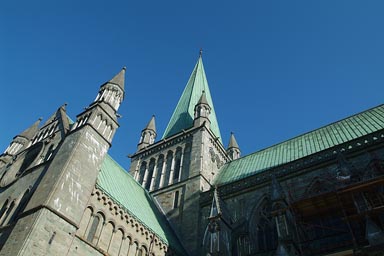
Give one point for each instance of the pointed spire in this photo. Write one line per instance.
(31, 131)
(112, 92)
(203, 99)
(119, 79)
(233, 149)
(148, 134)
(232, 142)
(58, 114)
(151, 124)
(183, 115)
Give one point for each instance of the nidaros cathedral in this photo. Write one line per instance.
(185, 193)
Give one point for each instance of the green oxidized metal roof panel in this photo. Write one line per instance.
(121, 187)
(307, 144)
(183, 115)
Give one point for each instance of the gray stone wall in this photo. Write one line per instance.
(117, 233)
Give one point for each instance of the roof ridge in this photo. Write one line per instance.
(312, 131)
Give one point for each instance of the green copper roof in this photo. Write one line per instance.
(121, 187)
(326, 137)
(182, 117)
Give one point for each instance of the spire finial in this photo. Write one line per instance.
(201, 52)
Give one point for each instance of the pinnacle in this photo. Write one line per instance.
(233, 142)
(31, 131)
(203, 99)
(151, 125)
(119, 78)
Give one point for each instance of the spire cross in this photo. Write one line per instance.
(201, 52)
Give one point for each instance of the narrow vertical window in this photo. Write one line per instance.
(93, 228)
(176, 200)
(176, 174)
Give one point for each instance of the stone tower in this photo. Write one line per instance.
(47, 185)
(184, 162)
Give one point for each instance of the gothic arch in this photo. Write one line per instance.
(159, 166)
(178, 164)
(318, 185)
(95, 227)
(87, 216)
(151, 168)
(106, 235)
(168, 166)
(116, 242)
(142, 169)
(262, 228)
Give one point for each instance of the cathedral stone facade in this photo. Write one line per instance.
(320, 193)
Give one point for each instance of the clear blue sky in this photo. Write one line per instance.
(276, 69)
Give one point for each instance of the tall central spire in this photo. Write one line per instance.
(183, 115)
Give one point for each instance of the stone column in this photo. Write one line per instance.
(154, 177)
(170, 182)
(137, 169)
(162, 178)
(145, 176)
(181, 164)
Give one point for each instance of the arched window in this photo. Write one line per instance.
(262, 229)
(151, 168)
(160, 162)
(87, 217)
(116, 242)
(133, 249)
(168, 166)
(142, 251)
(143, 167)
(266, 229)
(106, 236)
(176, 200)
(176, 173)
(93, 228)
(124, 250)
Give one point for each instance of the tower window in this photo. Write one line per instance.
(176, 200)
(92, 230)
(176, 174)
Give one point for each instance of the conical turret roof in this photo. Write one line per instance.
(182, 117)
(203, 99)
(119, 79)
(233, 142)
(151, 124)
